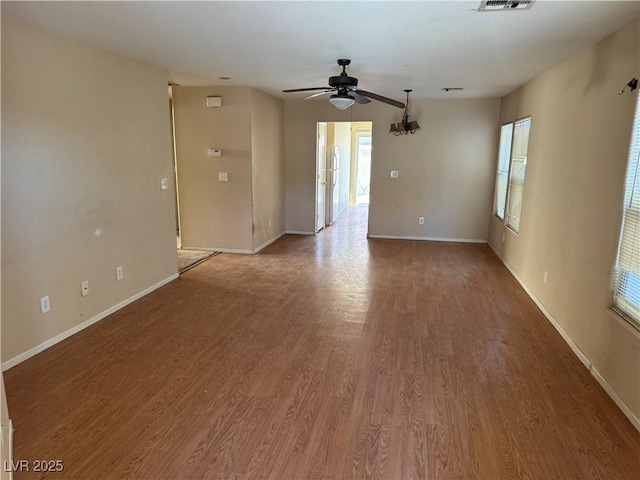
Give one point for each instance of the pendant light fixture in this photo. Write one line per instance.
(405, 127)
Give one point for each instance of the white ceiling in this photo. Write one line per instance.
(393, 45)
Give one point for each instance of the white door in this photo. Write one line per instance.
(321, 174)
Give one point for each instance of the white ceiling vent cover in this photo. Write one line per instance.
(491, 5)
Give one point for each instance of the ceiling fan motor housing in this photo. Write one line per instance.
(343, 80)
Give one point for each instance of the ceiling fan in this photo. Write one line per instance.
(345, 91)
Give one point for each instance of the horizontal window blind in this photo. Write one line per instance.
(627, 271)
(502, 173)
(517, 171)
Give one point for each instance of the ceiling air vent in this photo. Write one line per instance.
(491, 5)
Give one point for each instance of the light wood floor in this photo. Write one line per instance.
(324, 357)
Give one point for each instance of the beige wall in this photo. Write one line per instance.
(446, 169)
(571, 213)
(267, 147)
(85, 141)
(214, 214)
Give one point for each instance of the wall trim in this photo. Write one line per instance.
(219, 250)
(635, 421)
(429, 239)
(297, 232)
(269, 242)
(87, 323)
(10, 459)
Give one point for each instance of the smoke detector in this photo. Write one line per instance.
(491, 5)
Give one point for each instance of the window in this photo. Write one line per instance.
(519, 146)
(503, 169)
(627, 269)
(512, 165)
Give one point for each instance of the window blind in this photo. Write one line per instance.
(502, 173)
(520, 144)
(627, 271)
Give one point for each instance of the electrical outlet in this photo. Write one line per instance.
(546, 276)
(85, 288)
(164, 181)
(223, 176)
(394, 174)
(269, 223)
(503, 236)
(119, 273)
(420, 220)
(45, 306)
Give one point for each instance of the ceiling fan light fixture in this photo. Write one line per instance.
(341, 102)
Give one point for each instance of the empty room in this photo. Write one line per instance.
(337, 239)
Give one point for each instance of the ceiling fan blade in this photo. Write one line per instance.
(359, 98)
(380, 98)
(318, 94)
(304, 89)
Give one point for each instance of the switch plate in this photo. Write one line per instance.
(546, 276)
(45, 306)
(223, 177)
(164, 181)
(394, 173)
(85, 288)
(119, 273)
(215, 152)
(420, 220)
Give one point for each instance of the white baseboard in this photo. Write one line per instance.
(297, 232)
(233, 250)
(64, 335)
(635, 421)
(269, 242)
(219, 250)
(429, 239)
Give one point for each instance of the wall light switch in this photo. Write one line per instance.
(223, 177)
(85, 288)
(394, 173)
(164, 181)
(215, 152)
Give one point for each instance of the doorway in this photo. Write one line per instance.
(321, 175)
(343, 169)
(187, 257)
(361, 146)
(175, 165)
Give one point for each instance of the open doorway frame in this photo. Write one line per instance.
(321, 175)
(338, 148)
(361, 157)
(175, 166)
